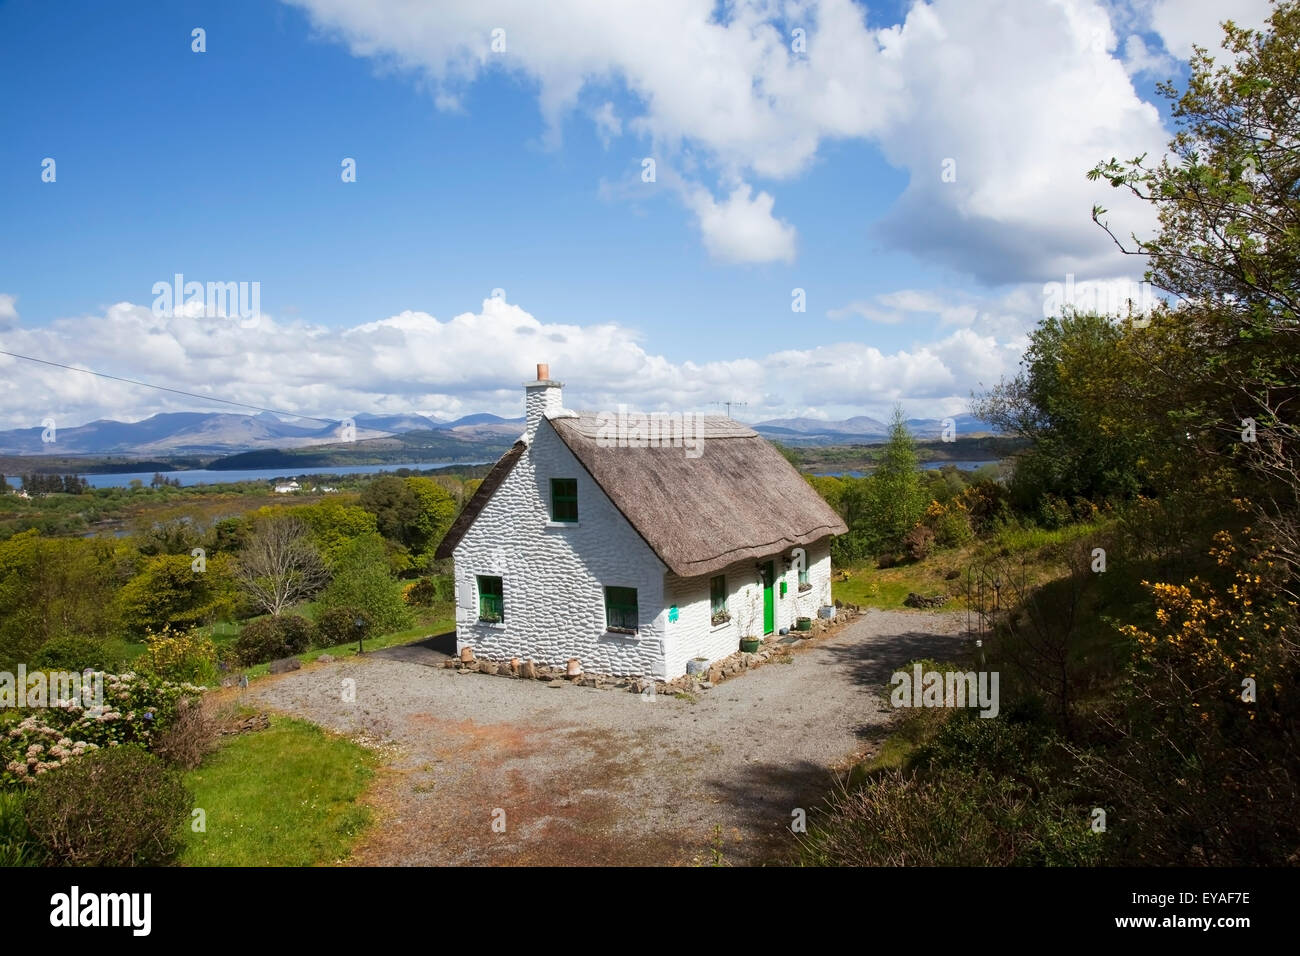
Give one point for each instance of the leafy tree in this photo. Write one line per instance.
(228, 535)
(413, 512)
(170, 536)
(895, 501)
(169, 592)
(54, 587)
(1075, 406)
(333, 524)
(362, 581)
(1228, 250)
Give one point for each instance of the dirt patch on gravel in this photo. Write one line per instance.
(484, 770)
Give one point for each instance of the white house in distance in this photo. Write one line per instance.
(635, 560)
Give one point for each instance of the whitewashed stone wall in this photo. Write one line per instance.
(553, 576)
(693, 633)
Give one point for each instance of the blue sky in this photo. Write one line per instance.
(521, 170)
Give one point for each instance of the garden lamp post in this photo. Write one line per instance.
(360, 625)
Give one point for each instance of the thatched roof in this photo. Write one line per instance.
(738, 499)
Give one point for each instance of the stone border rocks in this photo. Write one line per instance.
(716, 673)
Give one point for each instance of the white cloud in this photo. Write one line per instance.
(8, 310)
(471, 362)
(998, 143)
(741, 229)
(1138, 58)
(1024, 97)
(608, 125)
(1181, 23)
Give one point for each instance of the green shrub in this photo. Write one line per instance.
(118, 806)
(362, 580)
(72, 653)
(17, 845)
(168, 591)
(270, 638)
(338, 626)
(421, 594)
(952, 527)
(187, 656)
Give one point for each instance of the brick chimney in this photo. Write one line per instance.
(541, 398)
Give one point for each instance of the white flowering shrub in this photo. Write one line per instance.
(136, 709)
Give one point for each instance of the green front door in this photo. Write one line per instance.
(769, 599)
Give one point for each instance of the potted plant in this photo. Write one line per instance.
(749, 643)
(721, 617)
(803, 624)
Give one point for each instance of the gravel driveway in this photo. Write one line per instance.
(486, 770)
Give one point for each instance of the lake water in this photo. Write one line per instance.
(201, 476)
(927, 466)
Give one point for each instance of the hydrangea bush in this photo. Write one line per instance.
(136, 709)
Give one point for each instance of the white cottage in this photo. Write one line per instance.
(635, 560)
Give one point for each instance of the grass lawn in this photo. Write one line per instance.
(870, 586)
(887, 587)
(284, 796)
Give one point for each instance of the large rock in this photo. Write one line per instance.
(467, 654)
(916, 600)
(285, 664)
(528, 669)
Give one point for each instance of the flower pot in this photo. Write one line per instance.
(750, 645)
(803, 624)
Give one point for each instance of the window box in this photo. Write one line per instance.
(491, 599)
(805, 586)
(718, 601)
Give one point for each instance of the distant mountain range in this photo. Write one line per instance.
(223, 433)
(863, 429)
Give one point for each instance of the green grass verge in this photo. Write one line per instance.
(285, 796)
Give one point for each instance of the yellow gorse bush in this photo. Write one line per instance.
(178, 655)
(1221, 634)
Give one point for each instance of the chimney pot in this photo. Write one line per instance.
(543, 371)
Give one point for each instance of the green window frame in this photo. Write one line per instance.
(718, 594)
(491, 599)
(621, 611)
(564, 500)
